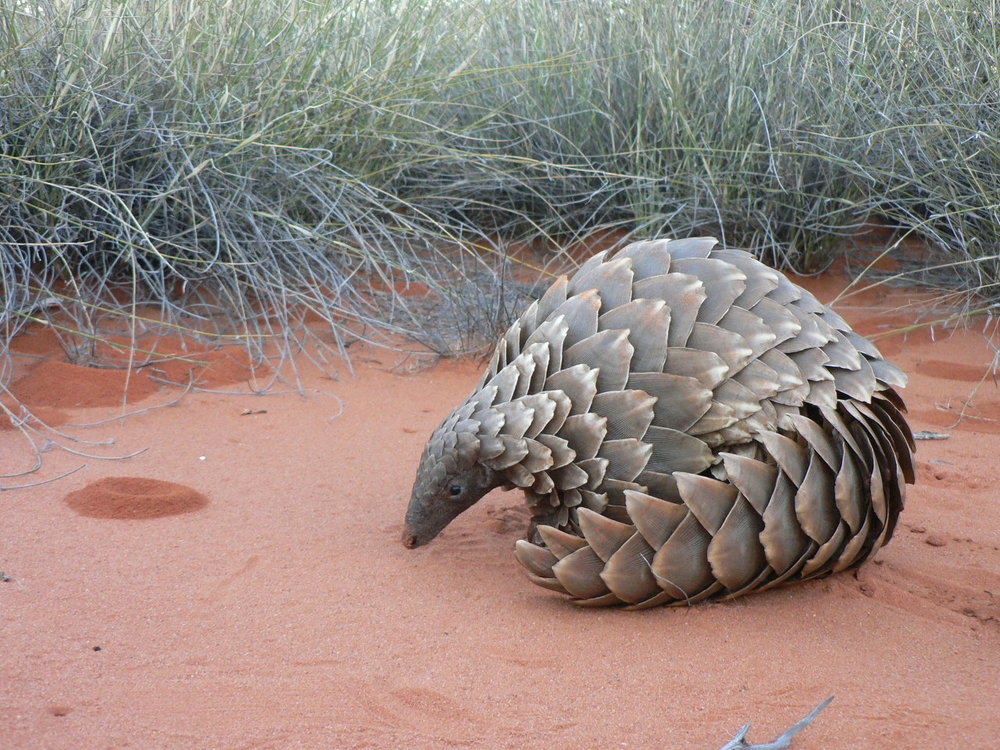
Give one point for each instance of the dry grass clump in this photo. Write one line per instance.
(240, 165)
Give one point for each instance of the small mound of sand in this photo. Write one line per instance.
(60, 385)
(134, 497)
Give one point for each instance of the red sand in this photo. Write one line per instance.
(285, 613)
(134, 497)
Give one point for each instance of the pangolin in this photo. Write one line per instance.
(686, 423)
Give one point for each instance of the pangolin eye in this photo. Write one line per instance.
(455, 490)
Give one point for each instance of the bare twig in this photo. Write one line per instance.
(43, 481)
(781, 743)
(930, 435)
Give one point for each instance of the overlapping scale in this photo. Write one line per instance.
(695, 425)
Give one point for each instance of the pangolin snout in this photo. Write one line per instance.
(410, 540)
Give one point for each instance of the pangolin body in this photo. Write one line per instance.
(686, 423)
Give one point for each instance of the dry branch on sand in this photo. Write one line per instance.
(780, 743)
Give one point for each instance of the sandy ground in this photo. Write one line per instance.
(284, 612)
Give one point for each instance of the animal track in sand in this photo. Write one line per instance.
(510, 519)
(972, 592)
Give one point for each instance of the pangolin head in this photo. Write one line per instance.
(450, 478)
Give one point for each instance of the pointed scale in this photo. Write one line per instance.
(543, 484)
(511, 341)
(681, 566)
(782, 537)
(518, 417)
(572, 498)
(650, 258)
(691, 247)
(627, 413)
(719, 417)
(660, 485)
(580, 313)
(628, 574)
(807, 302)
(656, 600)
(818, 439)
(505, 381)
(609, 352)
(759, 379)
(887, 372)
(612, 280)
(732, 347)
(684, 295)
(708, 499)
(562, 454)
(723, 282)
(580, 573)
(559, 542)
(539, 458)
(815, 506)
(562, 405)
(554, 296)
(826, 555)
(842, 354)
(752, 584)
(786, 292)
(735, 553)
(708, 368)
(902, 438)
(880, 467)
(579, 383)
(751, 328)
(571, 476)
(535, 559)
(859, 384)
(626, 458)
(543, 409)
(604, 535)
(754, 479)
(584, 433)
(835, 320)
(853, 552)
(760, 280)
(616, 489)
(604, 600)
(551, 333)
(822, 393)
(528, 321)
(594, 501)
(809, 337)
(779, 320)
(792, 384)
(539, 354)
(594, 469)
(680, 401)
(848, 492)
(655, 519)
(490, 447)
(514, 449)
(592, 262)
(676, 451)
(519, 476)
(891, 440)
(743, 401)
(647, 322)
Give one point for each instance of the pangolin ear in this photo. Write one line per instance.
(467, 450)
